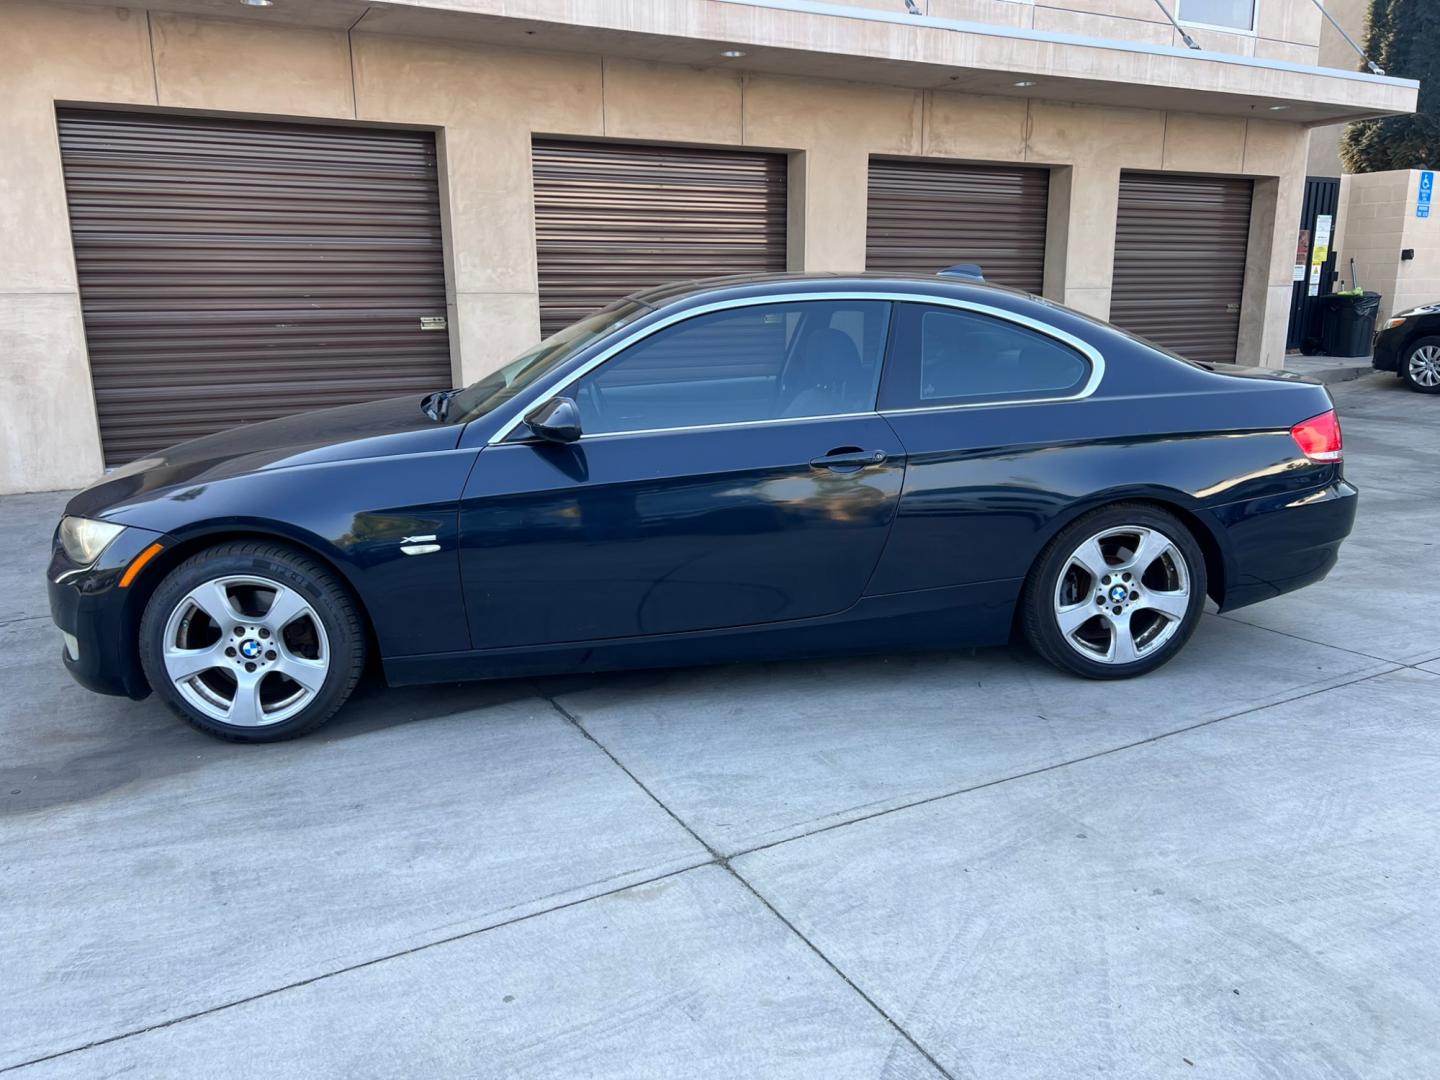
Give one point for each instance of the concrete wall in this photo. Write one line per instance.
(1335, 52)
(1284, 29)
(486, 103)
(1377, 221)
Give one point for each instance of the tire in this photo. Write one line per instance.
(226, 661)
(1420, 367)
(1060, 612)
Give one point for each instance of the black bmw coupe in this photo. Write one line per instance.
(710, 471)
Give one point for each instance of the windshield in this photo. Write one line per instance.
(498, 387)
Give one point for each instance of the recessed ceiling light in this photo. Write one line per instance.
(731, 54)
(257, 3)
(1277, 108)
(1026, 82)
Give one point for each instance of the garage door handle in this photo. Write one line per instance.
(849, 460)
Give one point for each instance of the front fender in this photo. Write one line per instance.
(355, 515)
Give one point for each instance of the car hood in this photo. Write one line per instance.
(346, 433)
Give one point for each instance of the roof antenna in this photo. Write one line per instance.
(912, 7)
(1180, 29)
(1375, 69)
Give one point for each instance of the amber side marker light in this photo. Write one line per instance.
(139, 564)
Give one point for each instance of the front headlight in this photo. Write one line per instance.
(84, 539)
(1398, 320)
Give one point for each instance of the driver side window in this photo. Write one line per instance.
(740, 365)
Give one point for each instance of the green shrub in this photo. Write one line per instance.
(1403, 37)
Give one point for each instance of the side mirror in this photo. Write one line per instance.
(557, 420)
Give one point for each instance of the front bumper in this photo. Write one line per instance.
(1282, 543)
(87, 603)
(1385, 351)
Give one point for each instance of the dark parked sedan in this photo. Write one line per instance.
(711, 471)
(1409, 345)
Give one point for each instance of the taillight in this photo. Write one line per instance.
(1319, 437)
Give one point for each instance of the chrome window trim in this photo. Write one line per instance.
(544, 393)
(714, 427)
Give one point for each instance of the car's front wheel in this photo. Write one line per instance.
(252, 641)
(1116, 593)
(1421, 367)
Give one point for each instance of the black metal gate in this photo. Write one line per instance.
(1314, 261)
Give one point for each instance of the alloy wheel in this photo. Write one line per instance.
(246, 650)
(1424, 366)
(1122, 594)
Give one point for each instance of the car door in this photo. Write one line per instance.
(987, 403)
(732, 470)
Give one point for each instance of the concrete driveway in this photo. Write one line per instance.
(942, 865)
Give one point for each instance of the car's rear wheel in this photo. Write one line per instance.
(252, 642)
(1421, 367)
(1116, 593)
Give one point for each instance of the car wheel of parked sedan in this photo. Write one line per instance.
(1117, 593)
(1421, 367)
(252, 642)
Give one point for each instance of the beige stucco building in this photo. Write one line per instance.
(1080, 93)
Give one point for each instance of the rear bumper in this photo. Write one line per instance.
(88, 604)
(1284, 543)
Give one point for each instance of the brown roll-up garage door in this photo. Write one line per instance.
(926, 215)
(1180, 244)
(233, 271)
(611, 219)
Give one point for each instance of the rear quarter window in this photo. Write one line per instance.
(949, 356)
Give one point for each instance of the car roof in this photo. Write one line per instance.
(745, 285)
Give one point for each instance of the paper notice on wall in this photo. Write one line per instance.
(1302, 253)
(1320, 252)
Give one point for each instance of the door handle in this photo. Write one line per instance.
(847, 460)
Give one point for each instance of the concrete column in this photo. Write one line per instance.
(1275, 154)
(488, 102)
(1089, 146)
(48, 433)
(835, 128)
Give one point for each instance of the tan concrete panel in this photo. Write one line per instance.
(414, 81)
(1274, 148)
(1097, 143)
(1062, 133)
(975, 127)
(1060, 21)
(494, 328)
(1001, 12)
(782, 112)
(838, 125)
(1207, 144)
(48, 438)
(243, 67)
(669, 103)
(1288, 51)
(1217, 41)
(1324, 156)
(106, 53)
(106, 58)
(1296, 21)
(1144, 10)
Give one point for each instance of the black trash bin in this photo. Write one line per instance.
(1347, 323)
